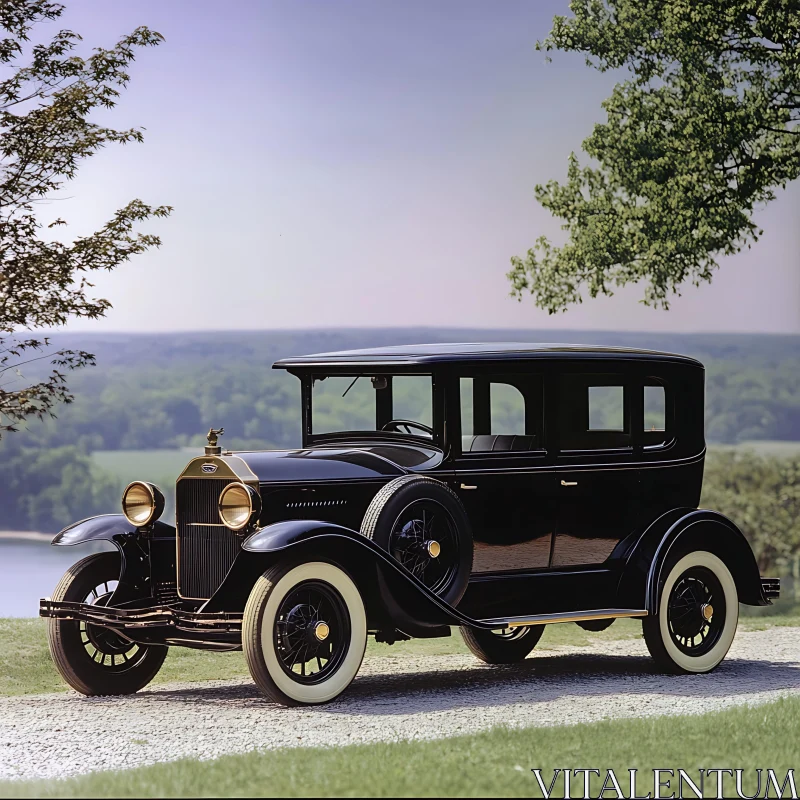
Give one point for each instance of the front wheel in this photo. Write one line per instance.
(697, 615)
(92, 659)
(304, 633)
(503, 645)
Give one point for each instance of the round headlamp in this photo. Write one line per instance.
(142, 503)
(239, 504)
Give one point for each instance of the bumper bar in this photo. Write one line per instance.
(771, 588)
(157, 616)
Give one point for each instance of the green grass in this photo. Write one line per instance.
(26, 668)
(495, 763)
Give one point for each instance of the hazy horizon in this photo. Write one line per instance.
(419, 327)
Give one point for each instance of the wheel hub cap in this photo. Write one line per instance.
(322, 631)
(433, 548)
(707, 610)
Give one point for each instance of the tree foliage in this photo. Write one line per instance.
(762, 496)
(47, 100)
(702, 132)
(45, 489)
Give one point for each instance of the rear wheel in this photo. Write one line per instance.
(424, 526)
(503, 645)
(304, 632)
(92, 659)
(697, 615)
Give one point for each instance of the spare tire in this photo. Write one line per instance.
(423, 524)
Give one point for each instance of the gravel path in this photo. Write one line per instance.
(393, 698)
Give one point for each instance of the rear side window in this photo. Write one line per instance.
(606, 408)
(655, 409)
(656, 404)
(593, 412)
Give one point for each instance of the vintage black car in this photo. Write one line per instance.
(494, 487)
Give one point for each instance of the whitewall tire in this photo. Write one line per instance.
(304, 632)
(697, 615)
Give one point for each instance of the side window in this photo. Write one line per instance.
(501, 413)
(655, 409)
(606, 408)
(655, 399)
(467, 417)
(593, 412)
(506, 410)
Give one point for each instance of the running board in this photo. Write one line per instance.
(572, 616)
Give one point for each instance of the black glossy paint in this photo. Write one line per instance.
(367, 461)
(556, 530)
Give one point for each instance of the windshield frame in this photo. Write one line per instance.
(383, 407)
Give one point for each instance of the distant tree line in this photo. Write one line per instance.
(47, 488)
(141, 406)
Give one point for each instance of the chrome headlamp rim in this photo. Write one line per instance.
(156, 503)
(253, 506)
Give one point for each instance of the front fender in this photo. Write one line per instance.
(392, 594)
(108, 527)
(135, 550)
(678, 532)
(105, 527)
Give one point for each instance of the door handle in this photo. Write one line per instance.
(464, 486)
(569, 483)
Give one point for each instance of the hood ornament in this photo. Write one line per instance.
(212, 448)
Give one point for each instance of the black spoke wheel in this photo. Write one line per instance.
(425, 541)
(502, 645)
(312, 632)
(304, 632)
(93, 659)
(106, 647)
(696, 611)
(423, 525)
(697, 615)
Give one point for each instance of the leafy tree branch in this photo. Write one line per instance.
(702, 132)
(46, 131)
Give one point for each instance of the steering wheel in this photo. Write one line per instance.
(398, 424)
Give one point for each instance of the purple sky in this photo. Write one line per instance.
(365, 163)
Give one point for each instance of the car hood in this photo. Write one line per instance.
(319, 463)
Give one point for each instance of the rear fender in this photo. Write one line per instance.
(677, 533)
(139, 551)
(393, 597)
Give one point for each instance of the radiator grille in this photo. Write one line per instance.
(205, 551)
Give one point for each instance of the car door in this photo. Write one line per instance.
(596, 473)
(502, 475)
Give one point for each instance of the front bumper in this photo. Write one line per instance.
(771, 587)
(156, 624)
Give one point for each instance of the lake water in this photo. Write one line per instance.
(31, 570)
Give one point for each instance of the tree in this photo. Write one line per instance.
(702, 132)
(46, 103)
(762, 496)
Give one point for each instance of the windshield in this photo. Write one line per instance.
(368, 403)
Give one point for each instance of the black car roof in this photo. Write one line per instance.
(424, 354)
